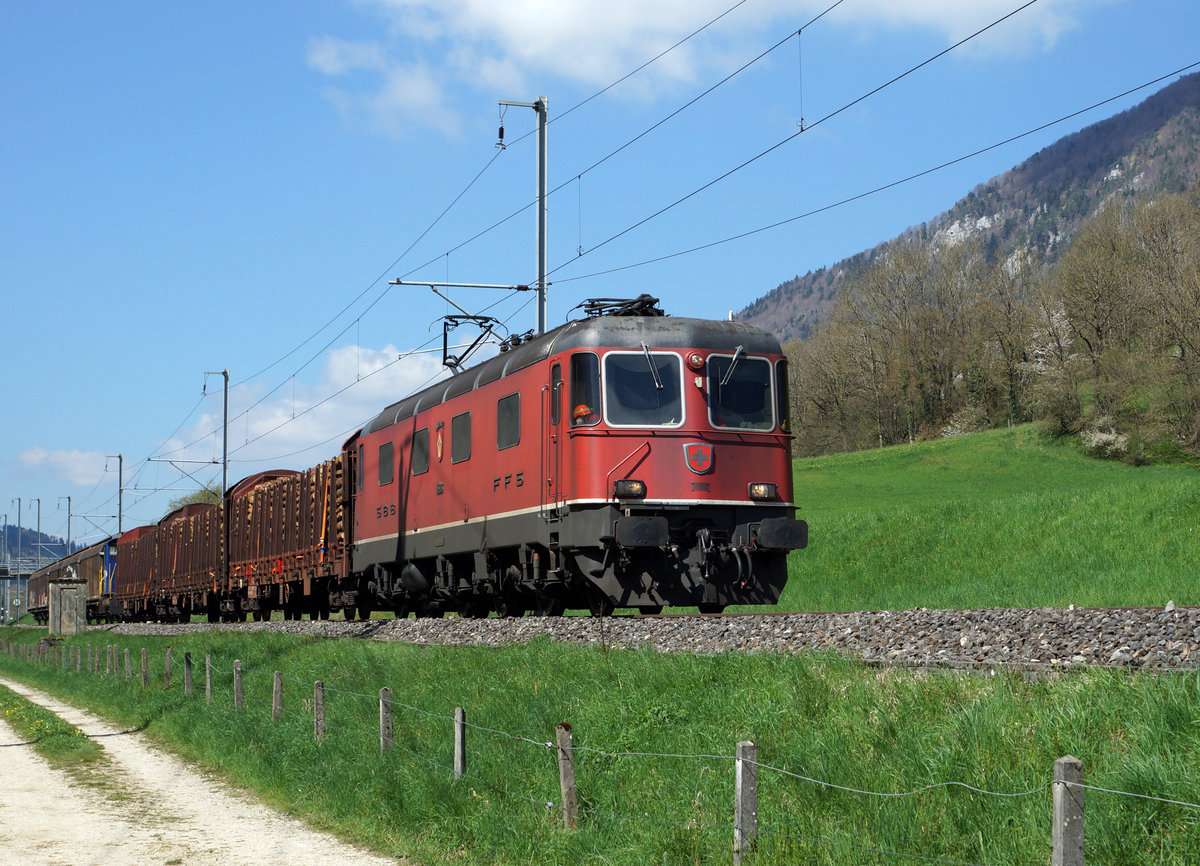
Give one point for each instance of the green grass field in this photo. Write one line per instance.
(1002, 518)
(1006, 518)
(653, 733)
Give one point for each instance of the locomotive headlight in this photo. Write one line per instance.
(695, 361)
(763, 490)
(628, 488)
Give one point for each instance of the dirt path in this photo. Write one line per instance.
(151, 809)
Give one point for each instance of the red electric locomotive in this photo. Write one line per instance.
(627, 459)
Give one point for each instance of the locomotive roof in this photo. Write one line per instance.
(658, 332)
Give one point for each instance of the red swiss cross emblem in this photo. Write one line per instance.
(698, 456)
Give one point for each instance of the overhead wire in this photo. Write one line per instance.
(633, 140)
(421, 237)
(411, 246)
(884, 187)
(793, 136)
(590, 168)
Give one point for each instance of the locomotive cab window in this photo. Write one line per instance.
(387, 463)
(460, 438)
(585, 390)
(420, 451)
(508, 421)
(739, 392)
(643, 389)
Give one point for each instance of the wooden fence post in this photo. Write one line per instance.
(128, 666)
(745, 804)
(90, 662)
(277, 697)
(78, 659)
(167, 670)
(187, 673)
(318, 710)
(385, 719)
(460, 742)
(237, 684)
(108, 660)
(1067, 834)
(207, 678)
(566, 774)
(145, 670)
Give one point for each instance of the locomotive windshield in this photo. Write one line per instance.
(739, 392)
(643, 389)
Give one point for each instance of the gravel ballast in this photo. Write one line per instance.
(1155, 638)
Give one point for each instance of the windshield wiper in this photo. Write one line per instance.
(654, 370)
(736, 354)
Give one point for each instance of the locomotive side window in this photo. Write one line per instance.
(585, 390)
(739, 392)
(420, 451)
(387, 463)
(362, 451)
(508, 421)
(643, 389)
(783, 403)
(460, 437)
(555, 394)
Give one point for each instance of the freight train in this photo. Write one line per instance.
(626, 459)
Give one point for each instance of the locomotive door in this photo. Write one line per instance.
(551, 494)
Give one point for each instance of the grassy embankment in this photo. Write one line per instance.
(999, 519)
(816, 715)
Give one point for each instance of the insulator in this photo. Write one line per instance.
(502, 132)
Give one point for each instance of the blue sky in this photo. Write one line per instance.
(190, 187)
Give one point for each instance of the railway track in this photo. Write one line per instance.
(1158, 638)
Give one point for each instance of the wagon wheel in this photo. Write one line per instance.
(510, 603)
(551, 607)
(599, 603)
(477, 608)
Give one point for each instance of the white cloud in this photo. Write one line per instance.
(1034, 29)
(301, 423)
(508, 50)
(337, 57)
(76, 467)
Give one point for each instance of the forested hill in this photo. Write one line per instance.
(52, 547)
(1037, 206)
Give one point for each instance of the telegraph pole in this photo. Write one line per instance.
(38, 500)
(224, 433)
(68, 498)
(120, 488)
(542, 107)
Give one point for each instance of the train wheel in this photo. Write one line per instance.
(551, 607)
(348, 612)
(712, 608)
(364, 612)
(652, 610)
(599, 603)
(510, 604)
